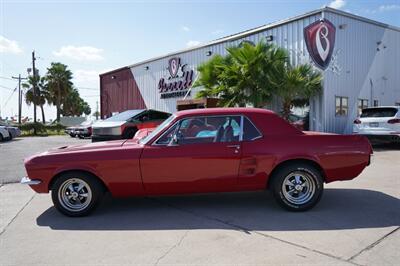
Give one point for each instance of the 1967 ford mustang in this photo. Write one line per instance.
(197, 151)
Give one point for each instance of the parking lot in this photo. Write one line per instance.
(356, 223)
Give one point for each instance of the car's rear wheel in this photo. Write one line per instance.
(76, 194)
(1, 137)
(297, 187)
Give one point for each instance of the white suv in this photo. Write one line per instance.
(379, 123)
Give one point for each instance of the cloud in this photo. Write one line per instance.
(337, 4)
(385, 8)
(80, 53)
(192, 43)
(9, 46)
(217, 31)
(86, 76)
(185, 28)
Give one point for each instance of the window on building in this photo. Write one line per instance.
(376, 103)
(342, 106)
(362, 103)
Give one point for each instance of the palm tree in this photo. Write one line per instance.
(74, 105)
(295, 85)
(243, 76)
(41, 93)
(59, 84)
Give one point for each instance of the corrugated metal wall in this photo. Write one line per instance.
(365, 65)
(119, 92)
(289, 36)
(368, 61)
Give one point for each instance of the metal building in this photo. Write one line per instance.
(359, 59)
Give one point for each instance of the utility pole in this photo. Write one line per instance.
(19, 97)
(34, 85)
(97, 110)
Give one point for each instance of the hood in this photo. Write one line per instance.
(105, 124)
(88, 147)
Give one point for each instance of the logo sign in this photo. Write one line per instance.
(179, 81)
(173, 66)
(320, 41)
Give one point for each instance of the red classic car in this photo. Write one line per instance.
(197, 151)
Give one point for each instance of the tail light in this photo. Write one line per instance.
(357, 121)
(394, 121)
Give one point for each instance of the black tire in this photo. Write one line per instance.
(129, 133)
(307, 188)
(60, 193)
(10, 136)
(1, 137)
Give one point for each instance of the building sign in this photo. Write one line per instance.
(179, 81)
(320, 41)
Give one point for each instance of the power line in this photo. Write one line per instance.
(86, 88)
(7, 88)
(5, 78)
(6, 102)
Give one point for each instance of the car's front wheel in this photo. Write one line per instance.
(76, 194)
(297, 187)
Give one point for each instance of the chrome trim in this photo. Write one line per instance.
(27, 181)
(241, 128)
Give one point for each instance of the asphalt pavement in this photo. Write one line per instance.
(356, 223)
(13, 153)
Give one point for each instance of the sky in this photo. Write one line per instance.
(92, 37)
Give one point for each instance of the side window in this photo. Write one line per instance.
(154, 115)
(205, 129)
(166, 138)
(250, 132)
(341, 106)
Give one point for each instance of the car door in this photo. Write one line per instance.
(196, 154)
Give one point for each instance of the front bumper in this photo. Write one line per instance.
(27, 181)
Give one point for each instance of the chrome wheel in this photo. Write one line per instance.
(298, 187)
(75, 194)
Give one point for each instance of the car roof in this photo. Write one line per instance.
(224, 110)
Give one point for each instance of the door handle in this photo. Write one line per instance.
(236, 147)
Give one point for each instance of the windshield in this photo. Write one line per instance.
(157, 130)
(124, 116)
(86, 123)
(379, 112)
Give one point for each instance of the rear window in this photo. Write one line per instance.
(379, 112)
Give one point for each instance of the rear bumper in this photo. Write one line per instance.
(96, 138)
(32, 182)
(382, 138)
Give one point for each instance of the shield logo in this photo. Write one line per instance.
(320, 41)
(173, 66)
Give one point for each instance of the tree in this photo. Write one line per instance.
(41, 93)
(243, 76)
(295, 85)
(74, 105)
(59, 85)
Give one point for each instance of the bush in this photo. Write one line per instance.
(29, 129)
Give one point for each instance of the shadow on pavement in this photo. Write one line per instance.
(339, 209)
(386, 147)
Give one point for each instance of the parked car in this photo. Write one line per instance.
(379, 123)
(198, 151)
(4, 134)
(126, 124)
(13, 131)
(84, 130)
(70, 131)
